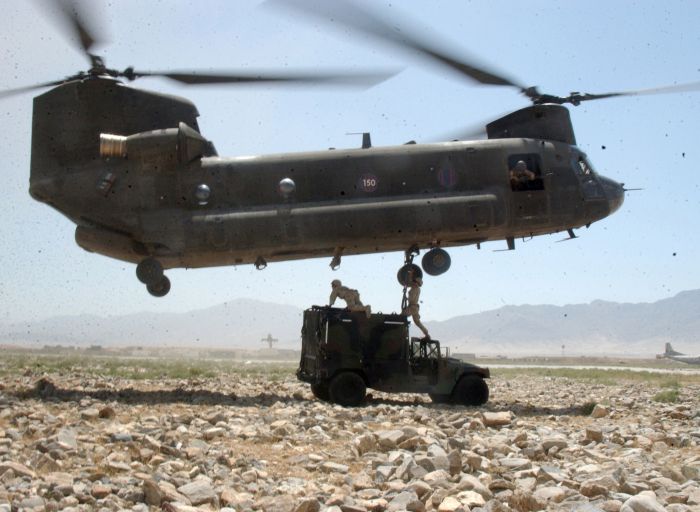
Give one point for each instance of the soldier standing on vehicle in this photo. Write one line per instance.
(413, 307)
(350, 296)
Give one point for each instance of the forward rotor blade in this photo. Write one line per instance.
(19, 90)
(356, 17)
(204, 78)
(576, 98)
(472, 132)
(475, 130)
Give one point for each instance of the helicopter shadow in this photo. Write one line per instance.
(46, 390)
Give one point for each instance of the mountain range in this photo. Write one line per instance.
(597, 328)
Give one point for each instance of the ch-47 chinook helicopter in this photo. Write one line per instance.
(130, 168)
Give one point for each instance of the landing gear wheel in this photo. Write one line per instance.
(402, 275)
(347, 388)
(470, 390)
(149, 271)
(436, 261)
(320, 391)
(159, 288)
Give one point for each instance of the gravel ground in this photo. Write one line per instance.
(79, 442)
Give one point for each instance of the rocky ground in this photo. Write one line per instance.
(72, 442)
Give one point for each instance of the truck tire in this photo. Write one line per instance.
(320, 391)
(440, 399)
(347, 388)
(470, 390)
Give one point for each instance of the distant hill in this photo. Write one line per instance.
(600, 328)
(240, 323)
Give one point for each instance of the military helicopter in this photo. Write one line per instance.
(130, 168)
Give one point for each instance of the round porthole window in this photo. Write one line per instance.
(286, 187)
(202, 194)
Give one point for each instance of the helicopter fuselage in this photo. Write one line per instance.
(155, 189)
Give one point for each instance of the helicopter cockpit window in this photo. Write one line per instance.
(525, 172)
(590, 185)
(581, 166)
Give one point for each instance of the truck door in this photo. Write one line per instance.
(386, 354)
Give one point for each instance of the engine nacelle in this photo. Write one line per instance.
(161, 148)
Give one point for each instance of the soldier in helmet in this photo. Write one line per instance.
(520, 176)
(413, 307)
(350, 296)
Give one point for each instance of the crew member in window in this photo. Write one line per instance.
(521, 176)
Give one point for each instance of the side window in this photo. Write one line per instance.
(525, 172)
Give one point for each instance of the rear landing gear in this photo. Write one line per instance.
(159, 288)
(150, 272)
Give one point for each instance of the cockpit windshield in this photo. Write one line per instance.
(590, 185)
(581, 165)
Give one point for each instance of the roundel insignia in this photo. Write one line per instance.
(447, 176)
(368, 183)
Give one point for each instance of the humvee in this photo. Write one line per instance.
(343, 353)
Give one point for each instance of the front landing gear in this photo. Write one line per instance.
(404, 271)
(150, 273)
(436, 261)
(409, 266)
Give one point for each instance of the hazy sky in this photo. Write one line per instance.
(646, 251)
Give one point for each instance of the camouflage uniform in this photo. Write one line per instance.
(350, 296)
(413, 308)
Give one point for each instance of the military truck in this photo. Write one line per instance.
(343, 353)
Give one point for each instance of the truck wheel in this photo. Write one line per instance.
(471, 390)
(440, 399)
(320, 391)
(347, 388)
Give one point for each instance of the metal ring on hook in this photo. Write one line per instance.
(335, 263)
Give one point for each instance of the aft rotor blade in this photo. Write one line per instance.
(19, 90)
(356, 17)
(76, 14)
(203, 78)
